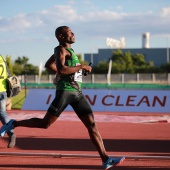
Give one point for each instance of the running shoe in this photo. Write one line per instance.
(12, 141)
(7, 127)
(112, 162)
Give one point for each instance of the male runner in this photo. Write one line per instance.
(65, 64)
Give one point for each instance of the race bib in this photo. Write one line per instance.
(78, 75)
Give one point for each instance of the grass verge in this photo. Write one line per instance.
(17, 101)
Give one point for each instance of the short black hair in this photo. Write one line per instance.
(59, 30)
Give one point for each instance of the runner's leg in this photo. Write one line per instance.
(37, 122)
(85, 113)
(55, 109)
(94, 134)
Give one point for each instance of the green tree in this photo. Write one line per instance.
(119, 64)
(18, 69)
(165, 68)
(101, 68)
(31, 69)
(131, 63)
(22, 61)
(9, 63)
(21, 66)
(141, 66)
(81, 61)
(128, 62)
(138, 59)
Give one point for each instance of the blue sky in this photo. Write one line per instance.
(27, 27)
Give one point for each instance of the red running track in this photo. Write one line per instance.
(66, 144)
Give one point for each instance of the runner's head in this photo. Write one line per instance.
(64, 35)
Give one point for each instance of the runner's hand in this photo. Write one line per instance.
(56, 79)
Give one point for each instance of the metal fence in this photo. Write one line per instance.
(102, 78)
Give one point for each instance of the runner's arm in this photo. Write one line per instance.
(62, 53)
(51, 65)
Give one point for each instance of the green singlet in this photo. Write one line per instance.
(71, 82)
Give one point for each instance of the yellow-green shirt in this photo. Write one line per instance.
(3, 75)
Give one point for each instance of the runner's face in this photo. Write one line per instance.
(68, 35)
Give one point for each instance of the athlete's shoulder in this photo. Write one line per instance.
(61, 49)
(58, 49)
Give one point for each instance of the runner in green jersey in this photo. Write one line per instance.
(64, 63)
(71, 82)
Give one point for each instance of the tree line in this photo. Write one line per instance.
(21, 66)
(130, 63)
(121, 63)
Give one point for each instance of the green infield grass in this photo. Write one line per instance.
(17, 101)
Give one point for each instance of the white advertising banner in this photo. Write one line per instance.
(107, 100)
